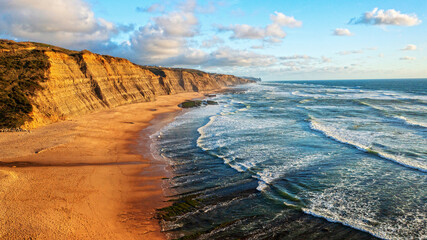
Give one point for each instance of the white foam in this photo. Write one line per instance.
(274, 172)
(363, 142)
(356, 205)
(412, 121)
(351, 94)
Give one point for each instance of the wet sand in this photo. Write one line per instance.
(91, 177)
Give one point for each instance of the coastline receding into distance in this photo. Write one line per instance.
(300, 160)
(192, 119)
(77, 173)
(89, 181)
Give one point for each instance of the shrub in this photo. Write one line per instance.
(21, 72)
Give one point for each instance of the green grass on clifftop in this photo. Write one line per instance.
(21, 71)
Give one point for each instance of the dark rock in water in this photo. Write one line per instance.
(191, 104)
(210, 95)
(179, 207)
(234, 91)
(196, 103)
(209, 102)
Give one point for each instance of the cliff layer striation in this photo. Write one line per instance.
(41, 84)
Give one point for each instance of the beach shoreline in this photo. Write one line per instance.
(90, 177)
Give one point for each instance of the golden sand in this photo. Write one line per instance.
(84, 178)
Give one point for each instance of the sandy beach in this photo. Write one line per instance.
(85, 178)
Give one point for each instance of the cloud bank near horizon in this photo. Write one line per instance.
(176, 36)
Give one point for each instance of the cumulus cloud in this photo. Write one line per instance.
(244, 31)
(409, 47)
(166, 36)
(342, 32)
(386, 17)
(168, 40)
(222, 57)
(68, 23)
(187, 57)
(232, 57)
(272, 33)
(283, 20)
(177, 24)
(407, 58)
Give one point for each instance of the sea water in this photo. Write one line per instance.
(311, 160)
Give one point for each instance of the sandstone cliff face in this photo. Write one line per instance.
(82, 82)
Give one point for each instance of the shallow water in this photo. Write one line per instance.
(318, 159)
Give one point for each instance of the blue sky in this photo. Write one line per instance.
(271, 39)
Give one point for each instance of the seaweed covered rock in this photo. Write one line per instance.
(196, 103)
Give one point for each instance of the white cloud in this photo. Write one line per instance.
(342, 32)
(297, 57)
(275, 31)
(350, 52)
(325, 59)
(213, 42)
(387, 17)
(257, 47)
(166, 41)
(209, 7)
(272, 33)
(187, 57)
(244, 31)
(223, 57)
(166, 36)
(68, 23)
(302, 60)
(231, 57)
(188, 6)
(409, 47)
(284, 21)
(177, 24)
(407, 58)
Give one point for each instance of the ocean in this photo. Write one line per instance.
(301, 160)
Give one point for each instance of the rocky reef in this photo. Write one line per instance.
(41, 84)
(196, 103)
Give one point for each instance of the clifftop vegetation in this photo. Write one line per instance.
(22, 68)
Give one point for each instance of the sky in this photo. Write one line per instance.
(271, 39)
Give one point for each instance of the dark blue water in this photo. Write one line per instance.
(312, 160)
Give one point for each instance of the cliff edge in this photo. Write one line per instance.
(41, 84)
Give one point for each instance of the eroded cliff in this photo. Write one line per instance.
(66, 83)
